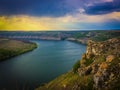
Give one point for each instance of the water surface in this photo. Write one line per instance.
(49, 60)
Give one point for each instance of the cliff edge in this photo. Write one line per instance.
(98, 69)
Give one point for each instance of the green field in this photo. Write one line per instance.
(10, 48)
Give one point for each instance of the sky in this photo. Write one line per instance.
(45, 15)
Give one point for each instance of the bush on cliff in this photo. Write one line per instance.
(88, 62)
(76, 66)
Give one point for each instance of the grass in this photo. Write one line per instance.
(88, 62)
(69, 81)
(100, 59)
(10, 48)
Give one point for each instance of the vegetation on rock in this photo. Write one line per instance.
(76, 66)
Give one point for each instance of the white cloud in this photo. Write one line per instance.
(84, 18)
(107, 0)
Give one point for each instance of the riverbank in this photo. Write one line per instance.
(10, 48)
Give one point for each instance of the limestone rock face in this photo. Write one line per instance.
(101, 76)
(109, 58)
(105, 65)
(94, 68)
(111, 46)
(85, 71)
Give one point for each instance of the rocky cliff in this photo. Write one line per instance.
(99, 69)
(102, 61)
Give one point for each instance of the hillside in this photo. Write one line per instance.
(98, 69)
(83, 37)
(10, 48)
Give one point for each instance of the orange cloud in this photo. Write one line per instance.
(22, 22)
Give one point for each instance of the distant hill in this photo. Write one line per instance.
(83, 37)
(80, 36)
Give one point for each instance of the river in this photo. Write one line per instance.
(49, 60)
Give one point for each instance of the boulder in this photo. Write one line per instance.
(109, 58)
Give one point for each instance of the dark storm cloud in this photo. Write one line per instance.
(103, 8)
(33, 7)
(55, 8)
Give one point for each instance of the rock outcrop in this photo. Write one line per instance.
(108, 47)
(105, 60)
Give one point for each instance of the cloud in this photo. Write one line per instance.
(22, 22)
(104, 7)
(57, 8)
(53, 8)
(58, 14)
(67, 22)
(107, 0)
(84, 18)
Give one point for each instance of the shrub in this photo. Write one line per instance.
(100, 59)
(76, 66)
(88, 62)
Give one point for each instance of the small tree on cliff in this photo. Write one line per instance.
(76, 66)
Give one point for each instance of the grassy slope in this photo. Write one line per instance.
(69, 81)
(10, 48)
